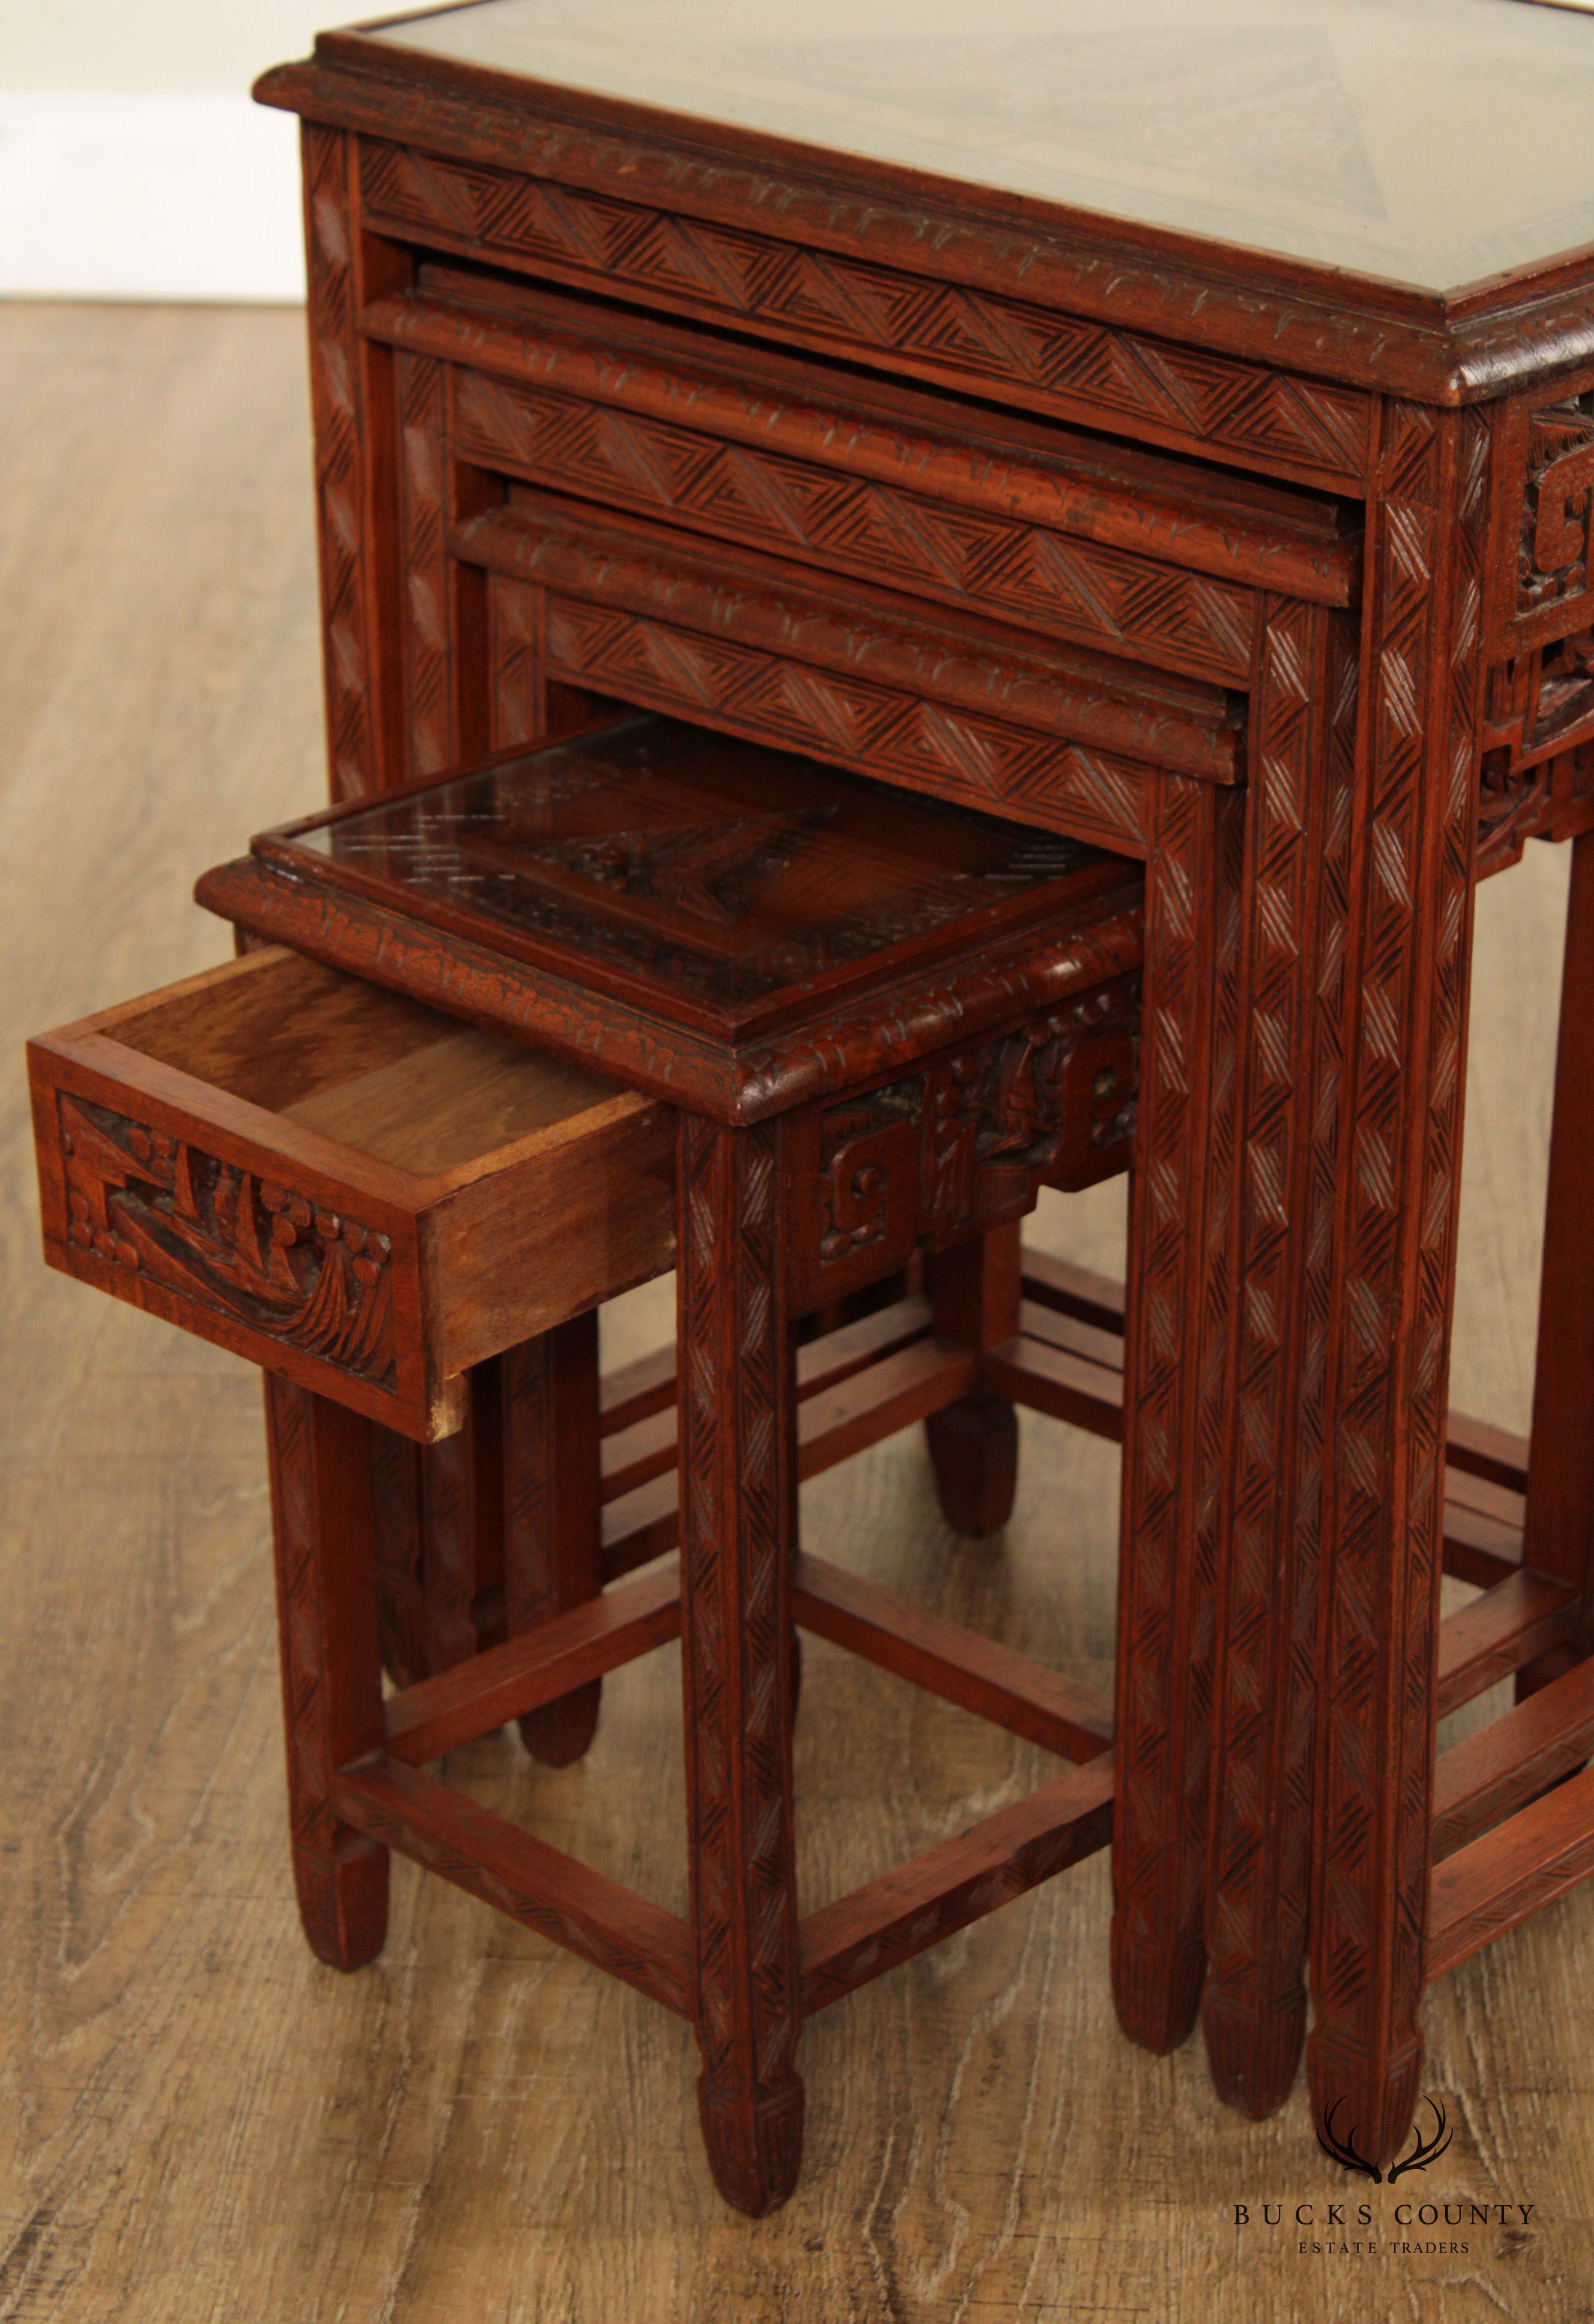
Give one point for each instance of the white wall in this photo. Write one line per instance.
(133, 164)
(158, 44)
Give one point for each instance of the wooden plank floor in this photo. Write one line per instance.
(198, 2123)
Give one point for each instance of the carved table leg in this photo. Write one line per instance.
(1288, 1147)
(738, 1533)
(1411, 890)
(975, 1290)
(553, 1535)
(1177, 1344)
(331, 1671)
(1558, 1536)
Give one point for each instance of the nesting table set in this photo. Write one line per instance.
(914, 610)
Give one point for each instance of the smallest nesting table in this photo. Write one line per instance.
(881, 1023)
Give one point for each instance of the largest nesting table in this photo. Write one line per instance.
(852, 387)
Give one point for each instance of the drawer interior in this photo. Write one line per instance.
(369, 1069)
(341, 1183)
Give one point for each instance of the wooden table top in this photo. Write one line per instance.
(1432, 143)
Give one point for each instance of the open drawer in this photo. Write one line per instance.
(340, 1183)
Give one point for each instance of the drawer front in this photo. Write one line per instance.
(374, 1284)
(230, 1238)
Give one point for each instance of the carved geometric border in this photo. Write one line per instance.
(966, 337)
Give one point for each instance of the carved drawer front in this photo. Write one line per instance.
(339, 1184)
(1128, 552)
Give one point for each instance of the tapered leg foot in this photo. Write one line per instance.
(1375, 2098)
(560, 1732)
(974, 1450)
(1156, 1992)
(323, 1532)
(343, 1903)
(754, 2152)
(1254, 2066)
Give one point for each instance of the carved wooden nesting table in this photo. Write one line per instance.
(1163, 435)
(849, 383)
(872, 1025)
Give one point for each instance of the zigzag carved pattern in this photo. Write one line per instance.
(1393, 1313)
(1070, 587)
(339, 487)
(1173, 1405)
(966, 338)
(428, 705)
(851, 722)
(427, 1825)
(738, 1508)
(1301, 794)
(514, 632)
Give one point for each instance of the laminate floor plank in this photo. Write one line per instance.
(202, 2124)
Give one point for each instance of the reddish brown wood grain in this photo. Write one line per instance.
(1512, 1872)
(1394, 1271)
(1009, 1689)
(1499, 1768)
(878, 1927)
(974, 1295)
(738, 1535)
(1558, 1534)
(518, 1874)
(553, 1539)
(565, 1652)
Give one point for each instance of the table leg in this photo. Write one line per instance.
(439, 1537)
(1176, 1372)
(553, 1518)
(1413, 857)
(974, 1295)
(1558, 1536)
(738, 1432)
(321, 1518)
(1289, 1147)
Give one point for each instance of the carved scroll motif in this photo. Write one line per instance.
(970, 1141)
(1536, 768)
(1557, 505)
(229, 1241)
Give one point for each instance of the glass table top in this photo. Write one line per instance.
(714, 878)
(1432, 142)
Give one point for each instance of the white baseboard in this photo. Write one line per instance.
(148, 197)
